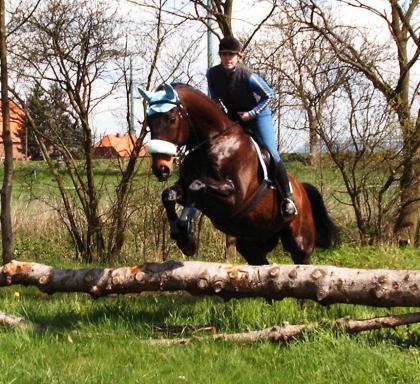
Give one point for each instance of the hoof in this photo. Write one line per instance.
(187, 244)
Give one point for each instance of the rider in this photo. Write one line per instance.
(246, 95)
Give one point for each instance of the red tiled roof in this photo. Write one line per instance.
(122, 144)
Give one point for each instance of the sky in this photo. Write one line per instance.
(109, 116)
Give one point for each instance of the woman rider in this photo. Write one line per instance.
(247, 96)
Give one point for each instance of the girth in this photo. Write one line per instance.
(252, 202)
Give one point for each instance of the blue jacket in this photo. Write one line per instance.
(240, 91)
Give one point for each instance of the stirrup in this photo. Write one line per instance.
(289, 207)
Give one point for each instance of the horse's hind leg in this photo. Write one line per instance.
(300, 250)
(255, 252)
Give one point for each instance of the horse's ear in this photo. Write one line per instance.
(147, 95)
(170, 92)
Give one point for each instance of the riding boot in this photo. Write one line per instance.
(282, 181)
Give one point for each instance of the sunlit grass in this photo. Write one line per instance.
(106, 341)
(81, 340)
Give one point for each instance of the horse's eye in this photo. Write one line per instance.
(172, 120)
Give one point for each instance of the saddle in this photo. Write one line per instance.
(267, 164)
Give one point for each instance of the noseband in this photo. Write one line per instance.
(162, 146)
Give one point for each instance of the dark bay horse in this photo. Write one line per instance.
(222, 175)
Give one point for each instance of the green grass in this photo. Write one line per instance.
(106, 340)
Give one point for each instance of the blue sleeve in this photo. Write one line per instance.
(260, 87)
(212, 92)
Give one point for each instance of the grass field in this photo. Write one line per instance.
(108, 340)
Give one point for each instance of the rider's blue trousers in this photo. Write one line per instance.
(262, 129)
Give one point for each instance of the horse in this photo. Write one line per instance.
(225, 175)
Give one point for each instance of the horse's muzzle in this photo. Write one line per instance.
(162, 173)
(162, 166)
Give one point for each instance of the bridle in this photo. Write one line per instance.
(181, 153)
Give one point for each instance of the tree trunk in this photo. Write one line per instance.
(406, 227)
(323, 284)
(6, 192)
(314, 153)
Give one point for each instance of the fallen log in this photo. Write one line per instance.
(15, 321)
(321, 283)
(286, 332)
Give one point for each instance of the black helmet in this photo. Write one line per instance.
(230, 44)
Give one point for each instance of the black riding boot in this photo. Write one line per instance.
(288, 204)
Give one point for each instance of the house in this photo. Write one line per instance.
(17, 132)
(119, 145)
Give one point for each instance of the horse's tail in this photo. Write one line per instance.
(327, 233)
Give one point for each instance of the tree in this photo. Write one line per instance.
(368, 58)
(54, 124)
(6, 191)
(358, 131)
(72, 44)
(81, 50)
(304, 72)
(210, 13)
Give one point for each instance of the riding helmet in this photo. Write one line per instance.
(230, 44)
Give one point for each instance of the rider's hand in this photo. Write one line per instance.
(245, 116)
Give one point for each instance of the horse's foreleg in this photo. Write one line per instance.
(170, 197)
(180, 227)
(223, 188)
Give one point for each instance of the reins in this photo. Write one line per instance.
(200, 144)
(186, 116)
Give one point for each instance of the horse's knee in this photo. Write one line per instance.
(169, 196)
(299, 250)
(197, 186)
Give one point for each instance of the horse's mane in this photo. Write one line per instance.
(211, 104)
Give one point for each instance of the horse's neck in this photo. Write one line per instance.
(207, 119)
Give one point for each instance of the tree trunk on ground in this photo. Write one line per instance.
(286, 332)
(324, 284)
(6, 192)
(14, 321)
